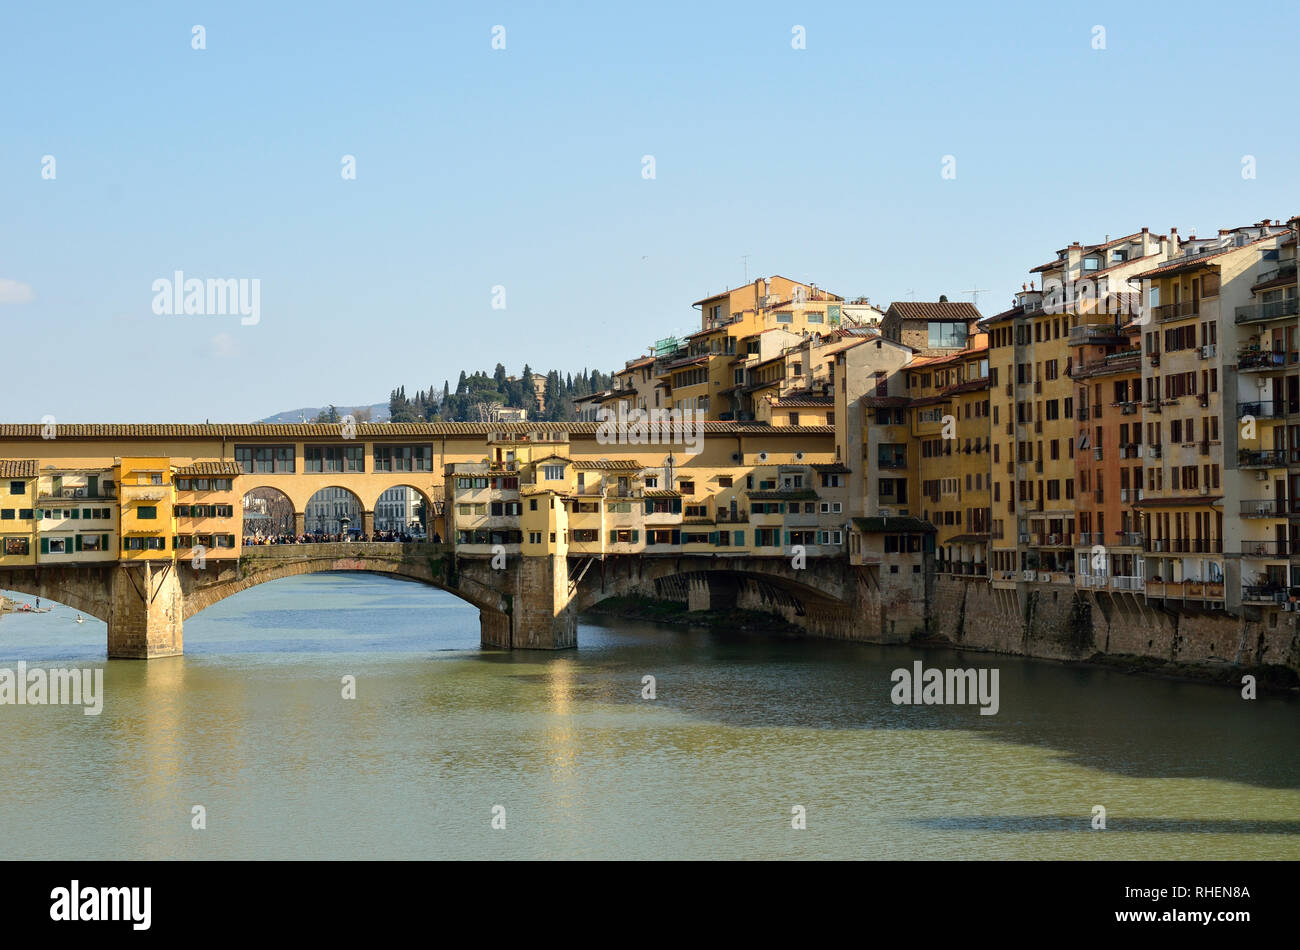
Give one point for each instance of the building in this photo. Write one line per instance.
(18, 482)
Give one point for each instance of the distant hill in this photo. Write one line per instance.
(378, 413)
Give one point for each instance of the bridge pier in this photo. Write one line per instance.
(299, 523)
(368, 523)
(145, 612)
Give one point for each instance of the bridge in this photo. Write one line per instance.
(531, 523)
(523, 603)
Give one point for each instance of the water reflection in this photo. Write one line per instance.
(252, 724)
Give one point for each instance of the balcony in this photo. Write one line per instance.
(1177, 311)
(1267, 458)
(732, 517)
(1261, 312)
(1263, 594)
(1121, 582)
(892, 463)
(1096, 333)
(1255, 360)
(1263, 508)
(1265, 549)
(1268, 409)
(1131, 539)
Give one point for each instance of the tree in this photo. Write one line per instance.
(327, 415)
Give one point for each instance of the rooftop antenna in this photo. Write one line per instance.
(745, 258)
(975, 295)
(911, 294)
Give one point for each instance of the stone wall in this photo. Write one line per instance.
(1059, 622)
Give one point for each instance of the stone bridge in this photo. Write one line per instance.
(524, 603)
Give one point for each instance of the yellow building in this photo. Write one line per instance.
(18, 482)
(949, 422)
(78, 512)
(147, 519)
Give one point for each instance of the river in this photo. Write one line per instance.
(251, 724)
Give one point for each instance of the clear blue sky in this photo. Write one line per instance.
(522, 168)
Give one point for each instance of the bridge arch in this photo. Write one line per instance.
(823, 598)
(268, 512)
(334, 509)
(86, 590)
(427, 564)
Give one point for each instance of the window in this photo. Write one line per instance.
(947, 334)
(724, 481)
(146, 511)
(17, 488)
(553, 473)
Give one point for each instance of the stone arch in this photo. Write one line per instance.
(821, 598)
(88, 590)
(268, 510)
(325, 511)
(431, 506)
(264, 565)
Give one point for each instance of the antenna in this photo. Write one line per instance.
(975, 295)
(745, 258)
(911, 294)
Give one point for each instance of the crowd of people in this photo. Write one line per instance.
(322, 537)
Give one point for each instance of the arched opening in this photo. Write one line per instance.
(404, 513)
(268, 515)
(332, 514)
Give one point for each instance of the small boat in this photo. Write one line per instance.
(80, 619)
(29, 609)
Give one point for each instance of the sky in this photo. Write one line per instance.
(503, 210)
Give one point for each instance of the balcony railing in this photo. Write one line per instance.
(1258, 312)
(1263, 508)
(1255, 361)
(1121, 582)
(1268, 409)
(1267, 458)
(1264, 593)
(1265, 549)
(1133, 539)
(1095, 332)
(1177, 311)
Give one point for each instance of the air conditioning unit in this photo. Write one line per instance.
(1029, 575)
(81, 493)
(1208, 351)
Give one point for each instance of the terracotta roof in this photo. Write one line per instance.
(969, 386)
(662, 493)
(831, 468)
(938, 310)
(885, 402)
(612, 465)
(546, 458)
(903, 525)
(1088, 248)
(1183, 264)
(365, 430)
(789, 494)
(210, 468)
(1190, 502)
(810, 402)
(17, 468)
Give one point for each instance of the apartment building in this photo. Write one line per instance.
(18, 482)
(1217, 436)
(77, 515)
(948, 423)
(146, 515)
